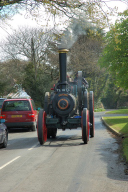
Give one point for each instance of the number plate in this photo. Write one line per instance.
(13, 116)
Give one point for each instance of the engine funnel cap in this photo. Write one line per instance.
(63, 50)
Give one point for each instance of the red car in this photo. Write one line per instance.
(19, 113)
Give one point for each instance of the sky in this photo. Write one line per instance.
(26, 20)
(120, 6)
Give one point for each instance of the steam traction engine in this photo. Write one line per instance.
(69, 106)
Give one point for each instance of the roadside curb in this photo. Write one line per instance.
(110, 128)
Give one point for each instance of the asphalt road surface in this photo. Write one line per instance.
(63, 164)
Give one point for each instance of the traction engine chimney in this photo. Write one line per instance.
(63, 67)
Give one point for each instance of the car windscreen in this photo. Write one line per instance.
(16, 106)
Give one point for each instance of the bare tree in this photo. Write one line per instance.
(28, 44)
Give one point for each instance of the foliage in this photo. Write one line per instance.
(11, 73)
(111, 94)
(3, 88)
(115, 54)
(53, 57)
(36, 88)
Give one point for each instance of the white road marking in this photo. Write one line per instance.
(9, 162)
(33, 146)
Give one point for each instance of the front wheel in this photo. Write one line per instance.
(41, 127)
(85, 125)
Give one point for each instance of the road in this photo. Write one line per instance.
(63, 164)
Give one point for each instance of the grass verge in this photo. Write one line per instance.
(118, 111)
(120, 124)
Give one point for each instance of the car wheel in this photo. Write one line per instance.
(5, 140)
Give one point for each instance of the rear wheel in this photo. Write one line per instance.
(91, 113)
(41, 127)
(85, 125)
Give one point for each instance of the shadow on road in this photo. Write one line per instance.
(64, 141)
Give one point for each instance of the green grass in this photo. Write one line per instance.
(118, 111)
(120, 124)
